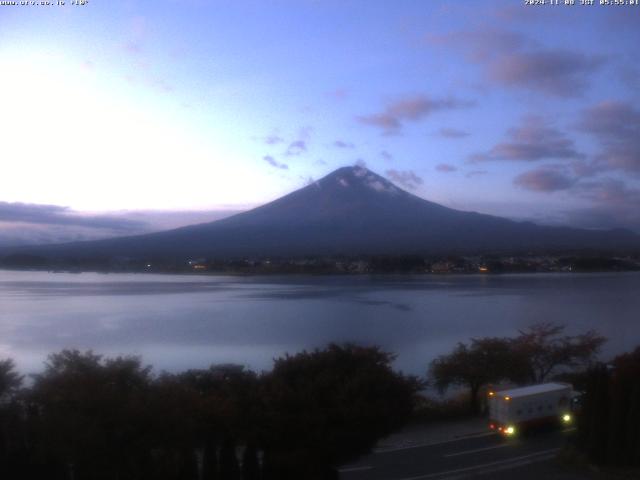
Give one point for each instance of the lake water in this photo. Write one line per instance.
(181, 321)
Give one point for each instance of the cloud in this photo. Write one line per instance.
(361, 163)
(299, 146)
(616, 126)
(295, 148)
(446, 168)
(619, 19)
(544, 180)
(628, 75)
(58, 215)
(386, 155)
(515, 13)
(26, 232)
(476, 173)
(481, 45)
(511, 59)
(532, 141)
(406, 178)
(88, 65)
(162, 85)
(309, 180)
(132, 48)
(137, 34)
(15, 234)
(612, 192)
(411, 109)
(274, 163)
(338, 94)
(615, 205)
(452, 133)
(557, 72)
(586, 168)
(343, 144)
(603, 217)
(157, 220)
(304, 133)
(273, 139)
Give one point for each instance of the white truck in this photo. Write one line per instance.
(513, 409)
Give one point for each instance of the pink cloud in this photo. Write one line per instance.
(446, 168)
(410, 109)
(509, 58)
(556, 72)
(533, 140)
(544, 180)
(453, 133)
(616, 126)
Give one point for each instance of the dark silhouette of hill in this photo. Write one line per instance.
(351, 211)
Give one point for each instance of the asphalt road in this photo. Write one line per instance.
(463, 458)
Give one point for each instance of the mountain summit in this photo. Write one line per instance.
(351, 211)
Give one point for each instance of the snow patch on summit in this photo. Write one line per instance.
(364, 177)
(379, 186)
(360, 171)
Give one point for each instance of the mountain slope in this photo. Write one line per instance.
(350, 211)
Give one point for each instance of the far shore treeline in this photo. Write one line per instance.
(479, 263)
(86, 416)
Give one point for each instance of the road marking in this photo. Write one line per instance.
(499, 465)
(478, 450)
(422, 445)
(354, 469)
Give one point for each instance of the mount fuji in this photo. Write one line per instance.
(351, 211)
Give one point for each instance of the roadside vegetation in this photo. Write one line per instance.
(609, 427)
(89, 417)
(607, 437)
(534, 356)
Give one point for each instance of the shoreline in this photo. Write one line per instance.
(259, 273)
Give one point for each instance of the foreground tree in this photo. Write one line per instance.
(547, 350)
(220, 409)
(609, 426)
(326, 407)
(10, 380)
(482, 362)
(537, 352)
(10, 428)
(89, 417)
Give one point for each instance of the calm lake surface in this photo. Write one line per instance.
(176, 322)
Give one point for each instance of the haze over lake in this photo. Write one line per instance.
(178, 322)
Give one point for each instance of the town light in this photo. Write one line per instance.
(507, 398)
(491, 394)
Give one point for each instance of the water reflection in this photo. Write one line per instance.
(177, 322)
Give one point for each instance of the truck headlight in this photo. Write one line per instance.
(566, 418)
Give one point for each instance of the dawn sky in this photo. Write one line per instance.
(530, 112)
